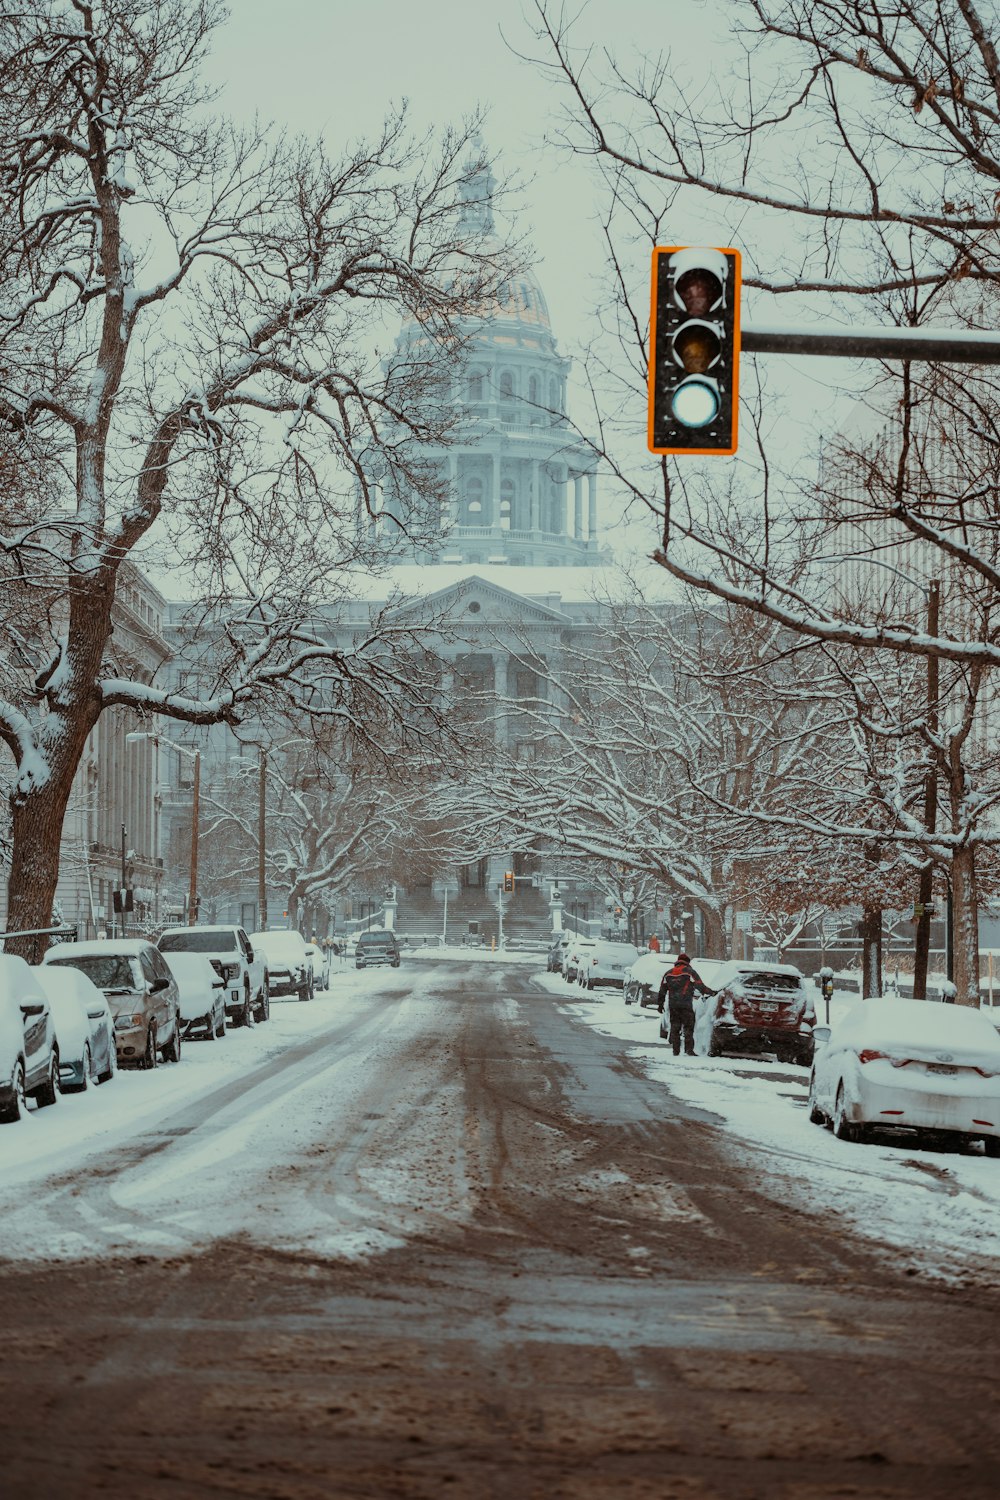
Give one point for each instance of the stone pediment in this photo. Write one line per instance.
(475, 601)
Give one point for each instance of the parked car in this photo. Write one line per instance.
(202, 992)
(84, 1025)
(317, 962)
(376, 946)
(29, 1053)
(758, 1008)
(140, 990)
(288, 966)
(233, 956)
(912, 1065)
(575, 950)
(606, 964)
(642, 981)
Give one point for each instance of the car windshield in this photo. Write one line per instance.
(195, 940)
(109, 971)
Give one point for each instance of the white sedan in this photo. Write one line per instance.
(202, 994)
(915, 1065)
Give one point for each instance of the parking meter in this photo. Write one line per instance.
(826, 985)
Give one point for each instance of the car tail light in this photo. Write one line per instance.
(594, 962)
(983, 1122)
(987, 1073)
(870, 1054)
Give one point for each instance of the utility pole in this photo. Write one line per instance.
(261, 833)
(193, 885)
(925, 891)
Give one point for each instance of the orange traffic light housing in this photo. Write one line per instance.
(508, 880)
(694, 354)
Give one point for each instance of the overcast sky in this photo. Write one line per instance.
(332, 67)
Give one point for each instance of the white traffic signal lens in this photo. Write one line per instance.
(696, 347)
(696, 402)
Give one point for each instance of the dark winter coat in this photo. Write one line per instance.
(679, 986)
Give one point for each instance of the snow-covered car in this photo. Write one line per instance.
(140, 990)
(642, 981)
(234, 957)
(606, 964)
(576, 951)
(202, 992)
(758, 1008)
(288, 966)
(84, 1026)
(317, 959)
(29, 1054)
(913, 1065)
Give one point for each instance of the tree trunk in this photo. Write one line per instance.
(715, 933)
(965, 926)
(37, 824)
(871, 951)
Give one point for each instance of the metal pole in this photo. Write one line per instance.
(261, 848)
(193, 885)
(500, 911)
(444, 929)
(925, 885)
(968, 347)
(122, 894)
(949, 937)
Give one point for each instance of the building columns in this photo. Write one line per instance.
(578, 506)
(536, 511)
(592, 507)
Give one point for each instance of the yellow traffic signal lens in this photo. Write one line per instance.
(698, 291)
(696, 347)
(695, 402)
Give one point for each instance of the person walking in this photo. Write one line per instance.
(678, 988)
(654, 944)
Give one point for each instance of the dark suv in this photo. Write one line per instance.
(376, 948)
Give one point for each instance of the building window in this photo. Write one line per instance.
(506, 384)
(476, 386)
(474, 501)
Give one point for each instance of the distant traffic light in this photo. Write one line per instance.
(508, 880)
(694, 350)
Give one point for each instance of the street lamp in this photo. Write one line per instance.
(195, 755)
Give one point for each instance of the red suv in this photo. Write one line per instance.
(762, 1008)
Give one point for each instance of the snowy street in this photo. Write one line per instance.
(449, 1229)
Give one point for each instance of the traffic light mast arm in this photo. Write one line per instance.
(944, 345)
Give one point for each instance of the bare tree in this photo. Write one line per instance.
(192, 320)
(861, 143)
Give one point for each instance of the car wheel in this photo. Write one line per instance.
(714, 1050)
(220, 1024)
(151, 1056)
(18, 1106)
(88, 1068)
(816, 1115)
(843, 1128)
(49, 1091)
(172, 1050)
(991, 1145)
(112, 1067)
(264, 1008)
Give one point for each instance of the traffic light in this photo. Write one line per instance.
(694, 350)
(508, 880)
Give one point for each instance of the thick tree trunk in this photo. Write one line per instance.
(965, 926)
(715, 933)
(871, 951)
(37, 824)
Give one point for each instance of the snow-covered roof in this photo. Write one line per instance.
(130, 947)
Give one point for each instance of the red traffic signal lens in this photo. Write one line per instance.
(698, 291)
